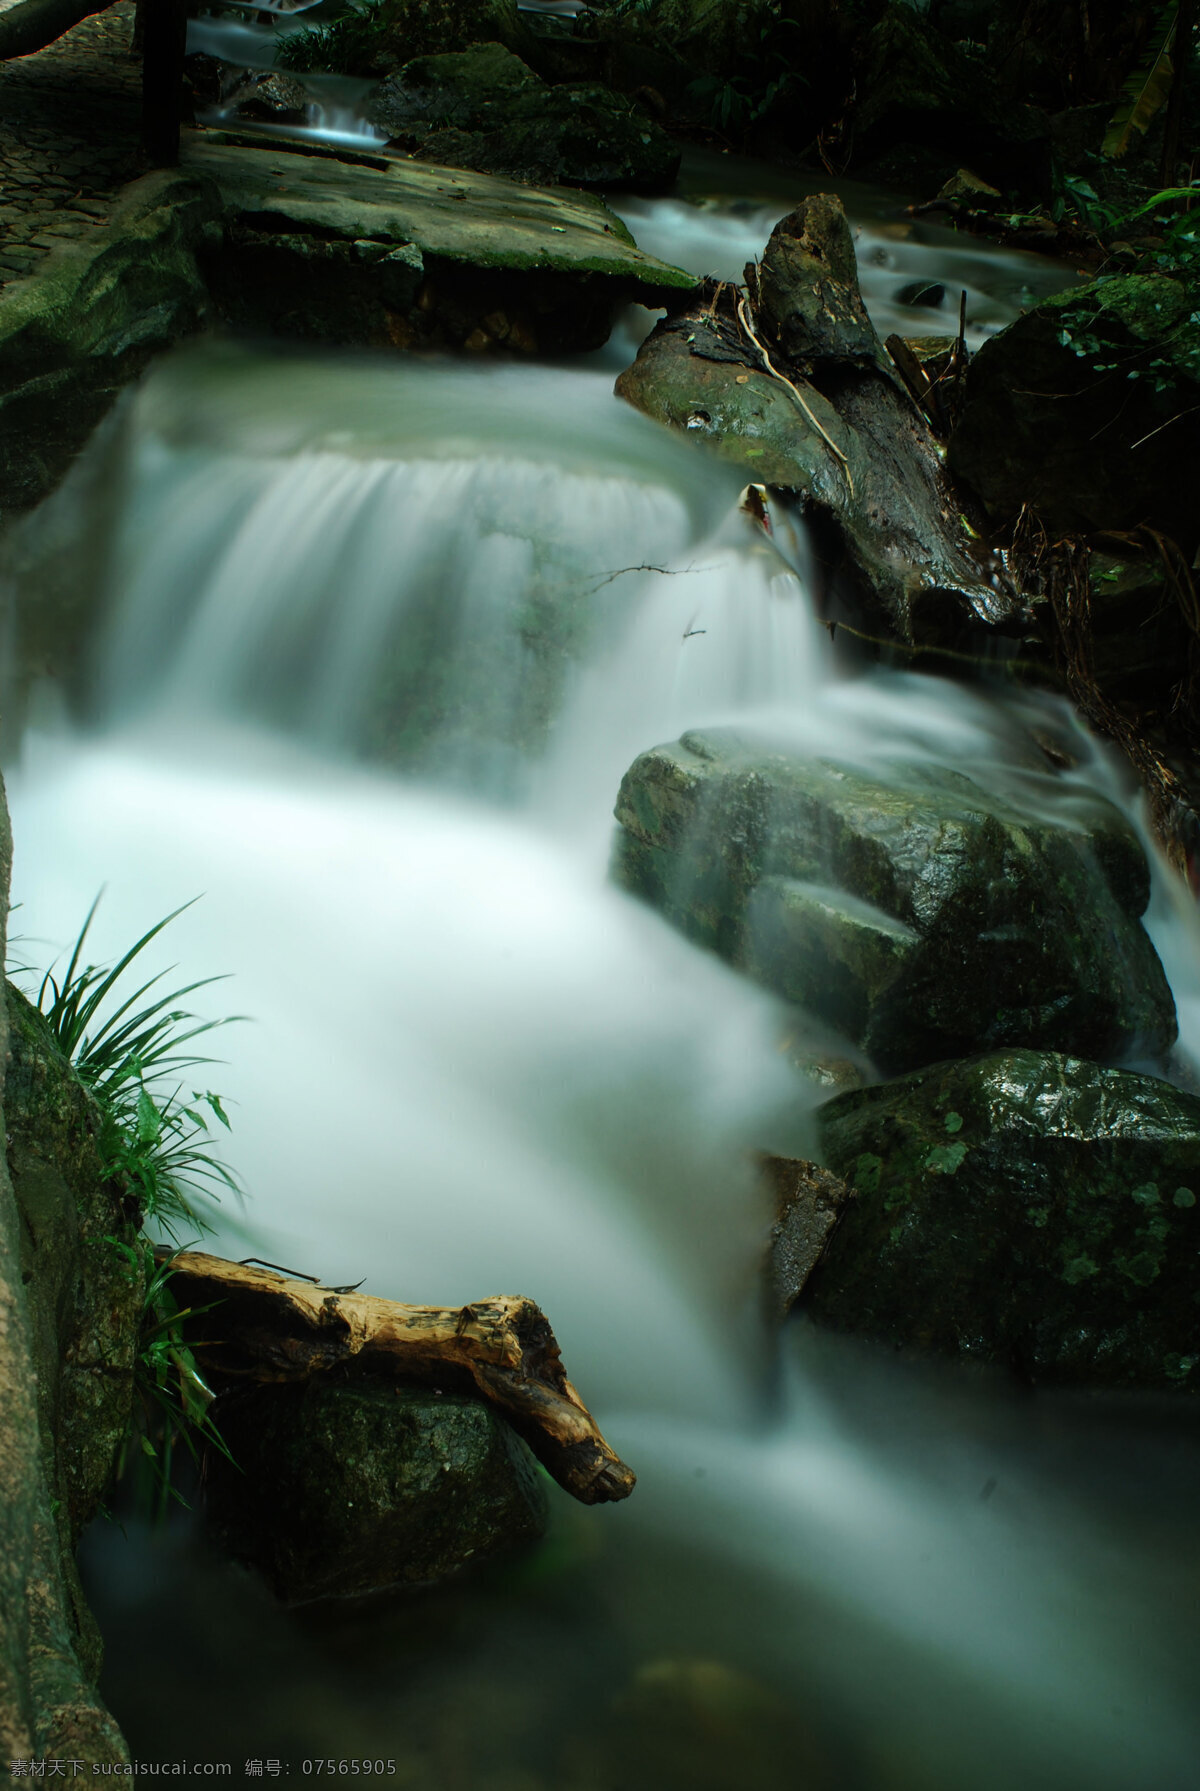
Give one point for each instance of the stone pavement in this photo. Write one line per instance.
(70, 137)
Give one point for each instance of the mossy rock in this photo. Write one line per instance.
(88, 321)
(381, 39)
(404, 254)
(921, 915)
(483, 108)
(84, 1313)
(1106, 438)
(85, 1305)
(1032, 1210)
(344, 1488)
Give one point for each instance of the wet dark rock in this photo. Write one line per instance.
(99, 307)
(1025, 1209)
(65, 1423)
(275, 99)
(86, 1302)
(929, 293)
(844, 436)
(920, 915)
(1108, 438)
(468, 88)
(350, 1487)
(483, 108)
(808, 1204)
(405, 255)
(206, 77)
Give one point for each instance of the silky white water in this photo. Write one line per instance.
(472, 1066)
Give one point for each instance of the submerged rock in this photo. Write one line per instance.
(344, 1488)
(919, 914)
(1085, 409)
(1019, 1208)
(484, 108)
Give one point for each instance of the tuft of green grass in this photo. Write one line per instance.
(128, 1050)
(153, 1138)
(172, 1398)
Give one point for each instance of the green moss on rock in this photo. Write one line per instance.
(84, 1310)
(483, 108)
(1040, 1237)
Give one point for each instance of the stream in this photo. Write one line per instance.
(377, 641)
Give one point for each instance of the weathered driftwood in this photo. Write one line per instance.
(263, 1326)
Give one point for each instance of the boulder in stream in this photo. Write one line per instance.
(484, 108)
(921, 915)
(345, 1488)
(1087, 409)
(1020, 1208)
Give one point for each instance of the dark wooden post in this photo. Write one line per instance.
(164, 35)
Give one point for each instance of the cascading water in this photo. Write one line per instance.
(475, 1067)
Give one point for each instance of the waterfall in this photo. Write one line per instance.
(377, 644)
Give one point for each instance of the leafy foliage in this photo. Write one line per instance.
(158, 1144)
(347, 46)
(1147, 89)
(172, 1397)
(387, 32)
(1172, 248)
(159, 1147)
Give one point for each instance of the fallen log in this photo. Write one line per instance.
(260, 1325)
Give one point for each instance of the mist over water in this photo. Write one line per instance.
(475, 1067)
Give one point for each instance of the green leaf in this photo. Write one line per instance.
(149, 1120)
(1144, 94)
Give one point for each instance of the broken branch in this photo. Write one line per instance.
(267, 1327)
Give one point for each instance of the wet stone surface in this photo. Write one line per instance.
(70, 126)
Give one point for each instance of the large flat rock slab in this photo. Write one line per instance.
(379, 252)
(449, 213)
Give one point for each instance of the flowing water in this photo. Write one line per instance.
(376, 643)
